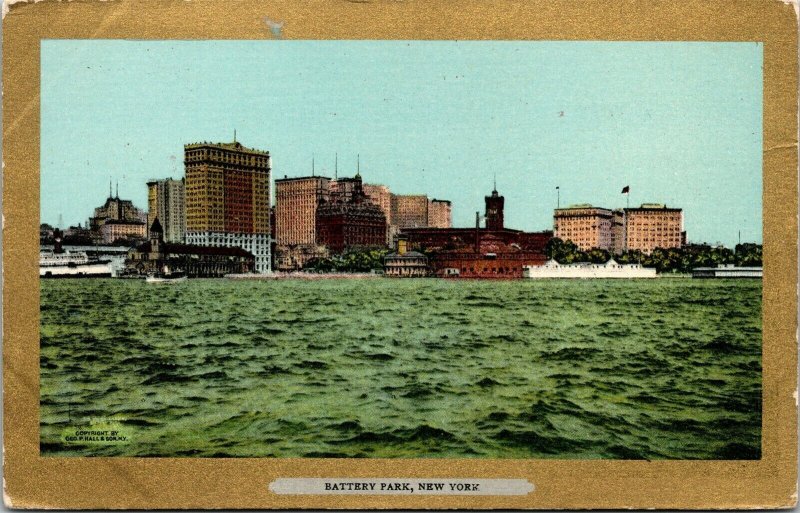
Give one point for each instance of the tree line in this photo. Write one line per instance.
(670, 260)
(352, 261)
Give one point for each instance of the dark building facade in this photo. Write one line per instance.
(196, 261)
(494, 211)
(353, 222)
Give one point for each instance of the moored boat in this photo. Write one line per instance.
(166, 279)
(166, 276)
(60, 263)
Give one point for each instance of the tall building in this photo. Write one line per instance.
(381, 195)
(355, 222)
(166, 200)
(296, 202)
(587, 226)
(652, 226)
(409, 211)
(227, 198)
(494, 211)
(439, 214)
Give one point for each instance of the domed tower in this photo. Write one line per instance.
(494, 211)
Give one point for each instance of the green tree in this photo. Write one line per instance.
(564, 252)
(598, 256)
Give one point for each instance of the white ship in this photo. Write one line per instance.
(610, 269)
(67, 264)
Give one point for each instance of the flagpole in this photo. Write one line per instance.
(558, 197)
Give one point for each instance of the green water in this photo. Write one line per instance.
(621, 369)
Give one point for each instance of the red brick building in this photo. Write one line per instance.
(354, 222)
(492, 252)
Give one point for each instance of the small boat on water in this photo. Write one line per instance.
(166, 276)
(165, 279)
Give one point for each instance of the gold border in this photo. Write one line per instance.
(32, 481)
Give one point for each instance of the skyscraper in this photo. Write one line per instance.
(381, 195)
(166, 200)
(439, 213)
(296, 202)
(409, 210)
(227, 198)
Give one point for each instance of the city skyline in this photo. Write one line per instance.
(680, 123)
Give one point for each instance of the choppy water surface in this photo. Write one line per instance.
(667, 368)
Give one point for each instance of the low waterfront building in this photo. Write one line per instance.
(586, 270)
(405, 264)
(491, 252)
(156, 255)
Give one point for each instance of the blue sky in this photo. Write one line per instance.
(680, 123)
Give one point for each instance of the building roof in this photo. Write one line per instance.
(232, 146)
(649, 207)
(191, 249)
(123, 221)
(407, 254)
(156, 226)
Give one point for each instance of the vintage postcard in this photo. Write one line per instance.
(501, 256)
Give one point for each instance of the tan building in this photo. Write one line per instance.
(439, 214)
(166, 200)
(227, 198)
(112, 230)
(652, 226)
(381, 195)
(296, 202)
(409, 211)
(118, 210)
(114, 209)
(587, 226)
